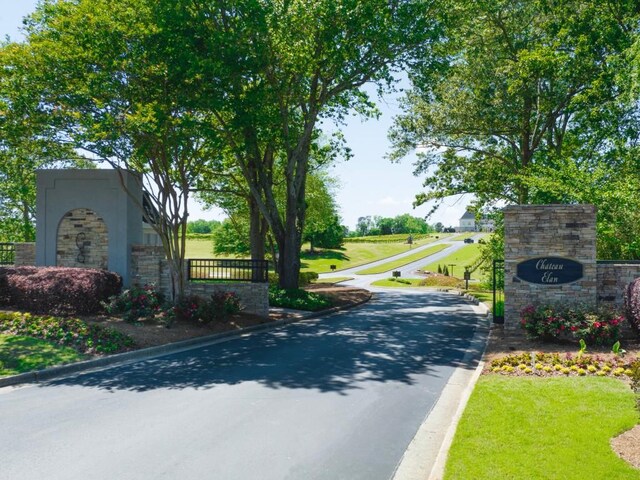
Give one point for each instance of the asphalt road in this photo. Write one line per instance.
(336, 398)
(406, 271)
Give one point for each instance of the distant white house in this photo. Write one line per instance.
(468, 223)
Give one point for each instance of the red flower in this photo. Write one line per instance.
(573, 328)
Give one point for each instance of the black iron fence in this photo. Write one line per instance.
(7, 253)
(498, 291)
(228, 269)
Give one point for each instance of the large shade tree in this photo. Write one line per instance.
(29, 141)
(287, 66)
(110, 71)
(528, 99)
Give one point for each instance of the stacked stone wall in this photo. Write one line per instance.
(613, 278)
(536, 231)
(25, 255)
(254, 297)
(82, 240)
(145, 265)
(149, 266)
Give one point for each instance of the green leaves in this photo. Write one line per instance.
(531, 106)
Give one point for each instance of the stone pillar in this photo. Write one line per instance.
(25, 255)
(550, 257)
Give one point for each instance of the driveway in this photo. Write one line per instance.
(336, 398)
(408, 270)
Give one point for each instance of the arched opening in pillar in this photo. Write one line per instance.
(82, 240)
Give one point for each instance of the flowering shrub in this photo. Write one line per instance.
(195, 309)
(551, 323)
(219, 306)
(187, 308)
(632, 304)
(136, 303)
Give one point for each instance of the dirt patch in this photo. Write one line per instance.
(152, 333)
(504, 342)
(627, 446)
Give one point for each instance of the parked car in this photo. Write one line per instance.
(468, 240)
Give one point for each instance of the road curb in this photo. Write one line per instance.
(176, 347)
(420, 461)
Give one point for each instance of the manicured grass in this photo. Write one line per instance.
(403, 282)
(542, 428)
(484, 296)
(350, 255)
(460, 259)
(196, 248)
(20, 354)
(463, 236)
(418, 238)
(386, 267)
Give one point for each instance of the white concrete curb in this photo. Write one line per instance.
(421, 460)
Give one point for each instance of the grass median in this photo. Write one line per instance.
(388, 266)
(457, 261)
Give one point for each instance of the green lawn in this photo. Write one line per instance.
(388, 266)
(460, 259)
(20, 354)
(403, 282)
(418, 238)
(464, 235)
(350, 255)
(196, 248)
(542, 428)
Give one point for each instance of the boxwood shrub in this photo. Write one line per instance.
(57, 290)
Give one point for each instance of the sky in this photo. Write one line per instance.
(369, 184)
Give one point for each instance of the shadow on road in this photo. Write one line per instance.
(391, 339)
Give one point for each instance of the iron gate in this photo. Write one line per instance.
(7, 253)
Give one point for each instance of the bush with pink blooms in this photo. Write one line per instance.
(595, 327)
(632, 304)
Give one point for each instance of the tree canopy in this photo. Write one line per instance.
(529, 106)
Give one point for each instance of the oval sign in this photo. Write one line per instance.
(549, 270)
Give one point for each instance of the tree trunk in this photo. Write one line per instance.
(257, 237)
(28, 235)
(289, 260)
